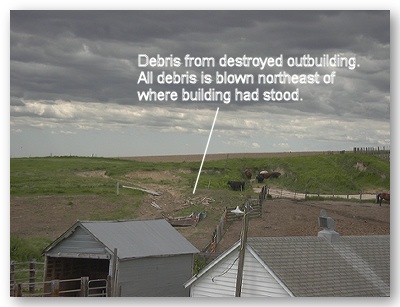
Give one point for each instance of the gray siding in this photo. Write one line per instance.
(155, 276)
(79, 244)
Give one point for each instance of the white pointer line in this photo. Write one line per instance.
(205, 152)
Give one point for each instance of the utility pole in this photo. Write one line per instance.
(243, 241)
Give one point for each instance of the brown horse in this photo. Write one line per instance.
(380, 196)
(248, 173)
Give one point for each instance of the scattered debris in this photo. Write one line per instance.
(155, 205)
(184, 221)
(144, 190)
(199, 200)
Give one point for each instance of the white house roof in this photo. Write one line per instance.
(133, 239)
(313, 266)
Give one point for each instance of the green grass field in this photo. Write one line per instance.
(326, 173)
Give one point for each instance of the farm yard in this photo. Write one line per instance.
(49, 194)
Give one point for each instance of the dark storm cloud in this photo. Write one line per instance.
(91, 56)
(134, 26)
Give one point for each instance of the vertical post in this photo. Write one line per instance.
(12, 276)
(32, 275)
(18, 290)
(217, 234)
(243, 242)
(109, 287)
(55, 287)
(114, 273)
(84, 286)
(117, 187)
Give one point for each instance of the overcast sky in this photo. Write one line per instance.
(74, 74)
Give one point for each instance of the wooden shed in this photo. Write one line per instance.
(300, 266)
(140, 258)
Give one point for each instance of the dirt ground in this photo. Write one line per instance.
(282, 217)
(50, 216)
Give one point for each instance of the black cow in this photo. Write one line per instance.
(275, 174)
(236, 185)
(260, 178)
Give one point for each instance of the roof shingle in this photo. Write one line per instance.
(313, 266)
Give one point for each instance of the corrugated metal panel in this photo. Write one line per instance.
(155, 276)
(136, 239)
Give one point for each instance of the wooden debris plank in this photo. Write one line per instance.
(144, 190)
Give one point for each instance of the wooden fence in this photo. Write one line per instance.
(29, 272)
(228, 216)
(283, 193)
(82, 286)
(27, 279)
(380, 152)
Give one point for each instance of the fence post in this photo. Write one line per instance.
(218, 234)
(18, 290)
(32, 275)
(114, 274)
(108, 287)
(12, 276)
(84, 286)
(55, 287)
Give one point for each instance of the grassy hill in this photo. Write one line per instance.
(343, 173)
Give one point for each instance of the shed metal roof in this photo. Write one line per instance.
(134, 239)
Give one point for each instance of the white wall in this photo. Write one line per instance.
(220, 280)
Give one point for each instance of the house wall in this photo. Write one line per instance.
(155, 276)
(220, 280)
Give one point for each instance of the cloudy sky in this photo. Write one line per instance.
(74, 82)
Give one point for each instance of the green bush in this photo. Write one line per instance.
(26, 249)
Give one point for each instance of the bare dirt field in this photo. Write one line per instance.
(50, 216)
(282, 217)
